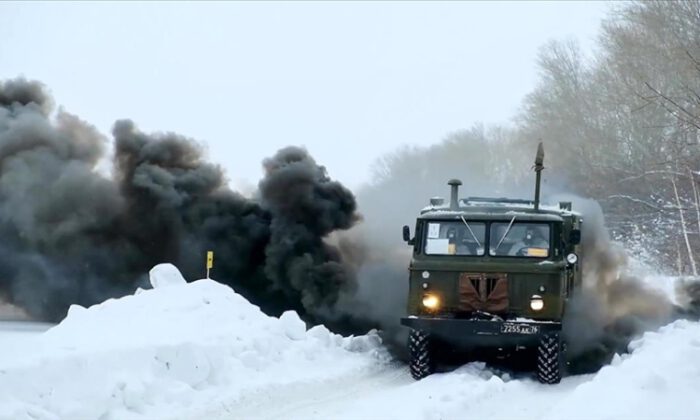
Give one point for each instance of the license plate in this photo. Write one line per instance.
(510, 328)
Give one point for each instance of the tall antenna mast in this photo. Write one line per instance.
(539, 165)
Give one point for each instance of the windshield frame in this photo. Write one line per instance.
(551, 226)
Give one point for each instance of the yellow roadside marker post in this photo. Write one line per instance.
(210, 261)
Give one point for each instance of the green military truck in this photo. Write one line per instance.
(492, 273)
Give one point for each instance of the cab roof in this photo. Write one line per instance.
(486, 208)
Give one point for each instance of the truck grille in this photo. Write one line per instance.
(486, 292)
(483, 285)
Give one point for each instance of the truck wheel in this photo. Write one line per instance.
(549, 359)
(421, 357)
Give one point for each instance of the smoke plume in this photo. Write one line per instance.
(613, 305)
(71, 234)
(305, 206)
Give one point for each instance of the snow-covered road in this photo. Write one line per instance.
(468, 392)
(11, 330)
(17, 336)
(331, 398)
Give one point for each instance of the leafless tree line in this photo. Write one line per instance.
(621, 126)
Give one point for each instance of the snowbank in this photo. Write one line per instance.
(174, 349)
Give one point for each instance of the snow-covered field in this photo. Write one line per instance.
(201, 351)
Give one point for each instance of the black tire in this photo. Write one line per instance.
(420, 352)
(550, 360)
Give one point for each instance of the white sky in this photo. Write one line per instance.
(347, 80)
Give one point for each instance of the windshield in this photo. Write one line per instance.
(519, 239)
(455, 238)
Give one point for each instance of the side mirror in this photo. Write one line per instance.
(575, 237)
(406, 234)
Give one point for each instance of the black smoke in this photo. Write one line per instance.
(72, 233)
(306, 206)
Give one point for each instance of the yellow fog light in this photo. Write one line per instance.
(536, 303)
(431, 301)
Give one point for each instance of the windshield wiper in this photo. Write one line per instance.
(505, 234)
(471, 231)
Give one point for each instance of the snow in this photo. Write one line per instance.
(521, 319)
(201, 351)
(164, 275)
(15, 337)
(294, 328)
(440, 211)
(658, 380)
(178, 348)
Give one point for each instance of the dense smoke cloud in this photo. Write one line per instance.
(305, 206)
(73, 235)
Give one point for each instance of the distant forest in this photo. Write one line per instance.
(620, 126)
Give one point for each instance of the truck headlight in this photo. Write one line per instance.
(536, 303)
(431, 301)
(572, 258)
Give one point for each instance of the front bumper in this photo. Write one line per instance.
(480, 332)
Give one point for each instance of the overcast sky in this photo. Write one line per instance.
(350, 81)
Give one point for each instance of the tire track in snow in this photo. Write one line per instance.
(311, 400)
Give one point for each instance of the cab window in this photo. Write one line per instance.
(455, 238)
(519, 240)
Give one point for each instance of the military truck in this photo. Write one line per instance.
(494, 274)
